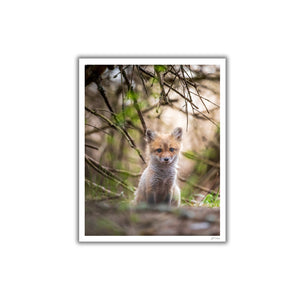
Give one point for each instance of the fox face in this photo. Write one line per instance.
(164, 148)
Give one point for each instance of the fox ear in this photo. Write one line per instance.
(177, 133)
(150, 135)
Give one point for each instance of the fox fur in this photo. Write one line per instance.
(157, 184)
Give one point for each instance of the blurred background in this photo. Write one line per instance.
(121, 102)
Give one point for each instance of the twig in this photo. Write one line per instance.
(176, 74)
(121, 130)
(135, 103)
(131, 79)
(202, 159)
(187, 116)
(123, 97)
(202, 76)
(185, 82)
(104, 189)
(201, 116)
(137, 108)
(98, 168)
(91, 146)
(180, 94)
(105, 110)
(210, 101)
(112, 169)
(218, 106)
(142, 79)
(98, 128)
(102, 93)
(195, 87)
(130, 124)
(124, 76)
(196, 185)
(125, 172)
(146, 110)
(161, 83)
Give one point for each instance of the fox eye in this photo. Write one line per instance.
(158, 150)
(172, 149)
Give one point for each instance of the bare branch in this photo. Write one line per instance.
(195, 87)
(142, 79)
(90, 183)
(161, 83)
(98, 128)
(91, 146)
(176, 74)
(104, 172)
(135, 103)
(173, 89)
(201, 187)
(102, 93)
(119, 129)
(146, 110)
(125, 172)
(112, 169)
(185, 82)
(202, 159)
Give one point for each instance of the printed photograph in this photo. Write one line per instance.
(152, 150)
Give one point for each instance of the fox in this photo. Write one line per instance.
(158, 184)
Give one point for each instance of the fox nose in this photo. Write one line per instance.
(166, 159)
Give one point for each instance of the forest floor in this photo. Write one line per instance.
(102, 218)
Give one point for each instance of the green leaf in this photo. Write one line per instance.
(160, 68)
(190, 155)
(132, 95)
(212, 200)
(154, 80)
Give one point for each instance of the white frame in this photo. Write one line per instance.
(153, 61)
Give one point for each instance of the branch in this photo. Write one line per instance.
(135, 103)
(97, 128)
(180, 94)
(202, 159)
(129, 124)
(125, 172)
(142, 79)
(195, 87)
(104, 189)
(112, 169)
(137, 108)
(170, 87)
(176, 74)
(161, 83)
(118, 128)
(217, 106)
(146, 110)
(185, 82)
(102, 93)
(91, 146)
(104, 172)
(201, 187)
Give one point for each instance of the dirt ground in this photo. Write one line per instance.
(104, 219)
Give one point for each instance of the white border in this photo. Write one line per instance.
(153, 61)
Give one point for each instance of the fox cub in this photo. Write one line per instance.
(158, 181)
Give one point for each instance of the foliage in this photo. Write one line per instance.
(160, 68)
(212, 200)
